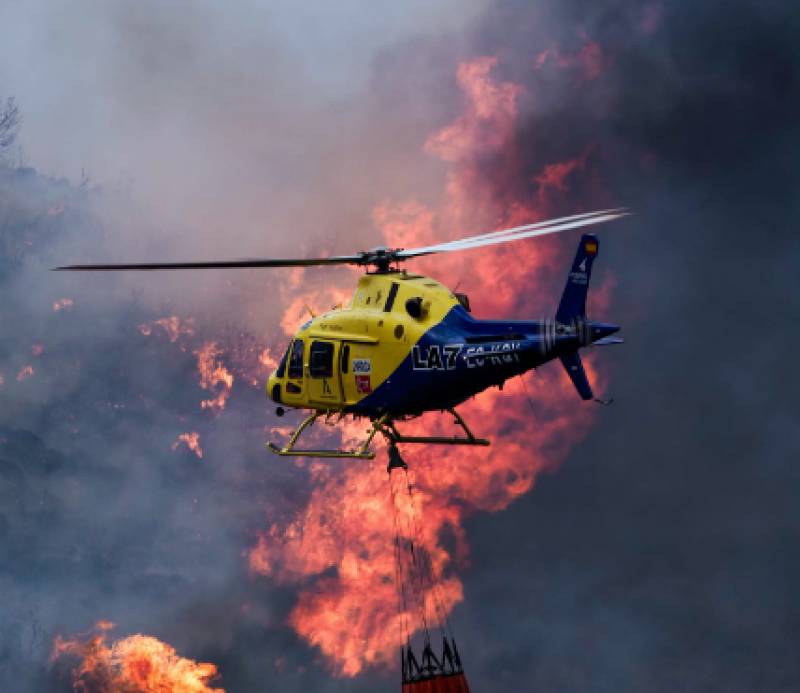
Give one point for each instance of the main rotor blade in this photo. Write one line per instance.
(219, 264)
(381, 257)
(540, 228)
(526, 227)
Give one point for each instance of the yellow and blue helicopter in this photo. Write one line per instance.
(406, 344)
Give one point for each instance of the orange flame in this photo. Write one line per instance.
(213, 374)
(266, 359)
(489, 118)
(339, 547)
(136, 664)
(192, 441)
(173, 326)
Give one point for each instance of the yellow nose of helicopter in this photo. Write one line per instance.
(272, 381)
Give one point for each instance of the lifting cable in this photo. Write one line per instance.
(400, 581)
(426, 571)
(413, 573)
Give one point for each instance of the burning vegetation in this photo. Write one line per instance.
(135, 664)
(213, 376)
(192, 441)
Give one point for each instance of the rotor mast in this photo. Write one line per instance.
(381, 258)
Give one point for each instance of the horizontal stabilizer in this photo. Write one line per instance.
(574, 367)
(607, 341)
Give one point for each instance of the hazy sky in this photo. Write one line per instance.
(186, 99)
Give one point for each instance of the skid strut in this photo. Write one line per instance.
(384, 425)
(389, 429)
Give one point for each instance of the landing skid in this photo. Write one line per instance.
(384, 425)
(289, 450)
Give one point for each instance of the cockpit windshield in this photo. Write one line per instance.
(296, 359)
(282, 365)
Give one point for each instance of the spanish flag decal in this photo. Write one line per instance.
(591, 247)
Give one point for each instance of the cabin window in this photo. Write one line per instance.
(345, 358)
(296, 359)
(321, 360)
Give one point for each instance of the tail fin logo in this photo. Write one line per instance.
(582, 266)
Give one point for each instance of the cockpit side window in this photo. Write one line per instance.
(296, 359)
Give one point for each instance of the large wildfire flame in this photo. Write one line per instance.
(136, 664)
(339, 547)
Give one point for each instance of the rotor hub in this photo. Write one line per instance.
(381, 257)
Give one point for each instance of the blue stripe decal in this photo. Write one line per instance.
(456, 359)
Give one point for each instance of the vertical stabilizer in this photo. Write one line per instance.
(573, 300)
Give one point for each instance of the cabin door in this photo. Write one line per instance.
(324, 379)
(356, 367)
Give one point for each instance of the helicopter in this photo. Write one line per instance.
(406, 344)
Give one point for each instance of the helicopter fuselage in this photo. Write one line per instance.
(406, 344)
